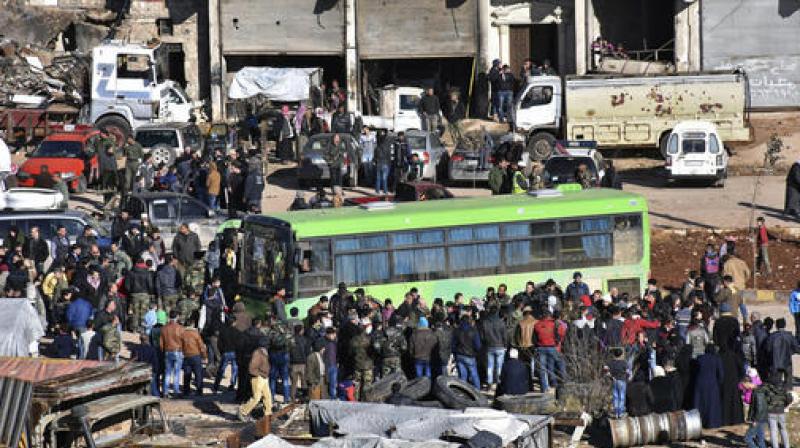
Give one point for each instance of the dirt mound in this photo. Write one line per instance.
(673, 255)
(785, 125)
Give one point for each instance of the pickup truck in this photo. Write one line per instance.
(397, 109)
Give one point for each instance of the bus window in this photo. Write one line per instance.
(419, 264)
(316, 275)
(527, 255)
(627, 239)
(474, 259)
(363, 269)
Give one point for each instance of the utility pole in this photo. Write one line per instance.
(351, 56)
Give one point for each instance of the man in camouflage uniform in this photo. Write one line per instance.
(141, 287)
(134, 153)
(584, 177)
(392, 346)
(280, 340)
(105, 147)
(196, 276)
(187, 306)
(537, 176)
(363, 365)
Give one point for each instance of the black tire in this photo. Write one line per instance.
(532, 403)
(457, 394)
(662, 144)
(81, 184)
(116, 126)
(380, 390)
(541, 146)
(429, 404)
(417, 388)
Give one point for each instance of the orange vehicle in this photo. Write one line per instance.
(71, 154)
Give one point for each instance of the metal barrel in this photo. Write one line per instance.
(655, 428)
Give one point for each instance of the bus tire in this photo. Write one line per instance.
(662, 144)
(457, 394)
(541, 146)
(380, 390)
(417, 388)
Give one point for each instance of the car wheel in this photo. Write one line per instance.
(163, 154)
(541, 146)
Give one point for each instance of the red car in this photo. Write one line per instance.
(66, 153)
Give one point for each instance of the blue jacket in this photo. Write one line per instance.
(794, 302)
(79, 312)
(576, 290)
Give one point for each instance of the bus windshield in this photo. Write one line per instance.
(266, 259)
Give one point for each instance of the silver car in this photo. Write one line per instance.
(429, 148)
(313, 167)
(168, 141)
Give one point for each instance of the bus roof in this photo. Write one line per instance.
(455, 212)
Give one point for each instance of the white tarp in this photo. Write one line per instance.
(275, 83)
(19, 327)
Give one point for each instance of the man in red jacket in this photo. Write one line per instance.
(634, 324)
(546, 339)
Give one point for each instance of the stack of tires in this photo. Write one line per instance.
(447, 391)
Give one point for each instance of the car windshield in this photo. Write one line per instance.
(416, 142)
(58, 149)
(564, 167)
(151, 138)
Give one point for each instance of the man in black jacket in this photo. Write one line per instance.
(505, 94)
(781, 345)
(299, 349)
(495, 339)
(429, 110)
(466, 346)
(36, 249)
(514, 379)
(140, 287)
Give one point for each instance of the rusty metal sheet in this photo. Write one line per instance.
(39, 369)
(108, 406)
(15, 406)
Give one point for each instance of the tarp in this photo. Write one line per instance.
(19, 327)
(273, 441)
(275, 83)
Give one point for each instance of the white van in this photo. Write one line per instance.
(695, 151)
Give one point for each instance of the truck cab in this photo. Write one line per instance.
(397, 109)
(695, 151)
(128, 89)
(538, 114)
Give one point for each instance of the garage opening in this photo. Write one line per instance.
(333, 67)
(443, 74)
(644, 29)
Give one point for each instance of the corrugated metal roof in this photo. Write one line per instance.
(35, 370)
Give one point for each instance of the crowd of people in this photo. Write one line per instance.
(695, 347)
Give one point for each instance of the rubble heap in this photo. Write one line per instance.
(26, 71)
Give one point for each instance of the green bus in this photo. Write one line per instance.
(443, 247)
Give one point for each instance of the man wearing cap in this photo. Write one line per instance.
(259, 370)
(514, 378)
(421, 347)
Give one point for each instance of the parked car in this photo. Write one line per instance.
(463, 164)
(313, 168)
(561, 167)
(408, 192)
(429, 149)
(48, 221)
(66, 153)
(168, 211)
(695, 151)
(168, 141)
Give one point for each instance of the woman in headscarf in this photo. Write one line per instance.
(709, 375)
(791, 206)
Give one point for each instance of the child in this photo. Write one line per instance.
(777, 399)
(620, 373)
(748, 384)
(757, 414)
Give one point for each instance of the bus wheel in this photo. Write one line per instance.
(541, 146)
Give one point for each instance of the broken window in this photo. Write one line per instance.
(133, 66)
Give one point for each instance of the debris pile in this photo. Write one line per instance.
(35, 76)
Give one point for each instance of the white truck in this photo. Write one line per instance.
(629, 111)
(397, 109)
(128, 89)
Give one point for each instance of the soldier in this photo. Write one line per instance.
(140, 286)
(134, 153)
(334, 157)
(361, 352)
(280, 341)
(392, 346)
(188, 306)
(105, 149)
(196, 275)
(583, 176)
